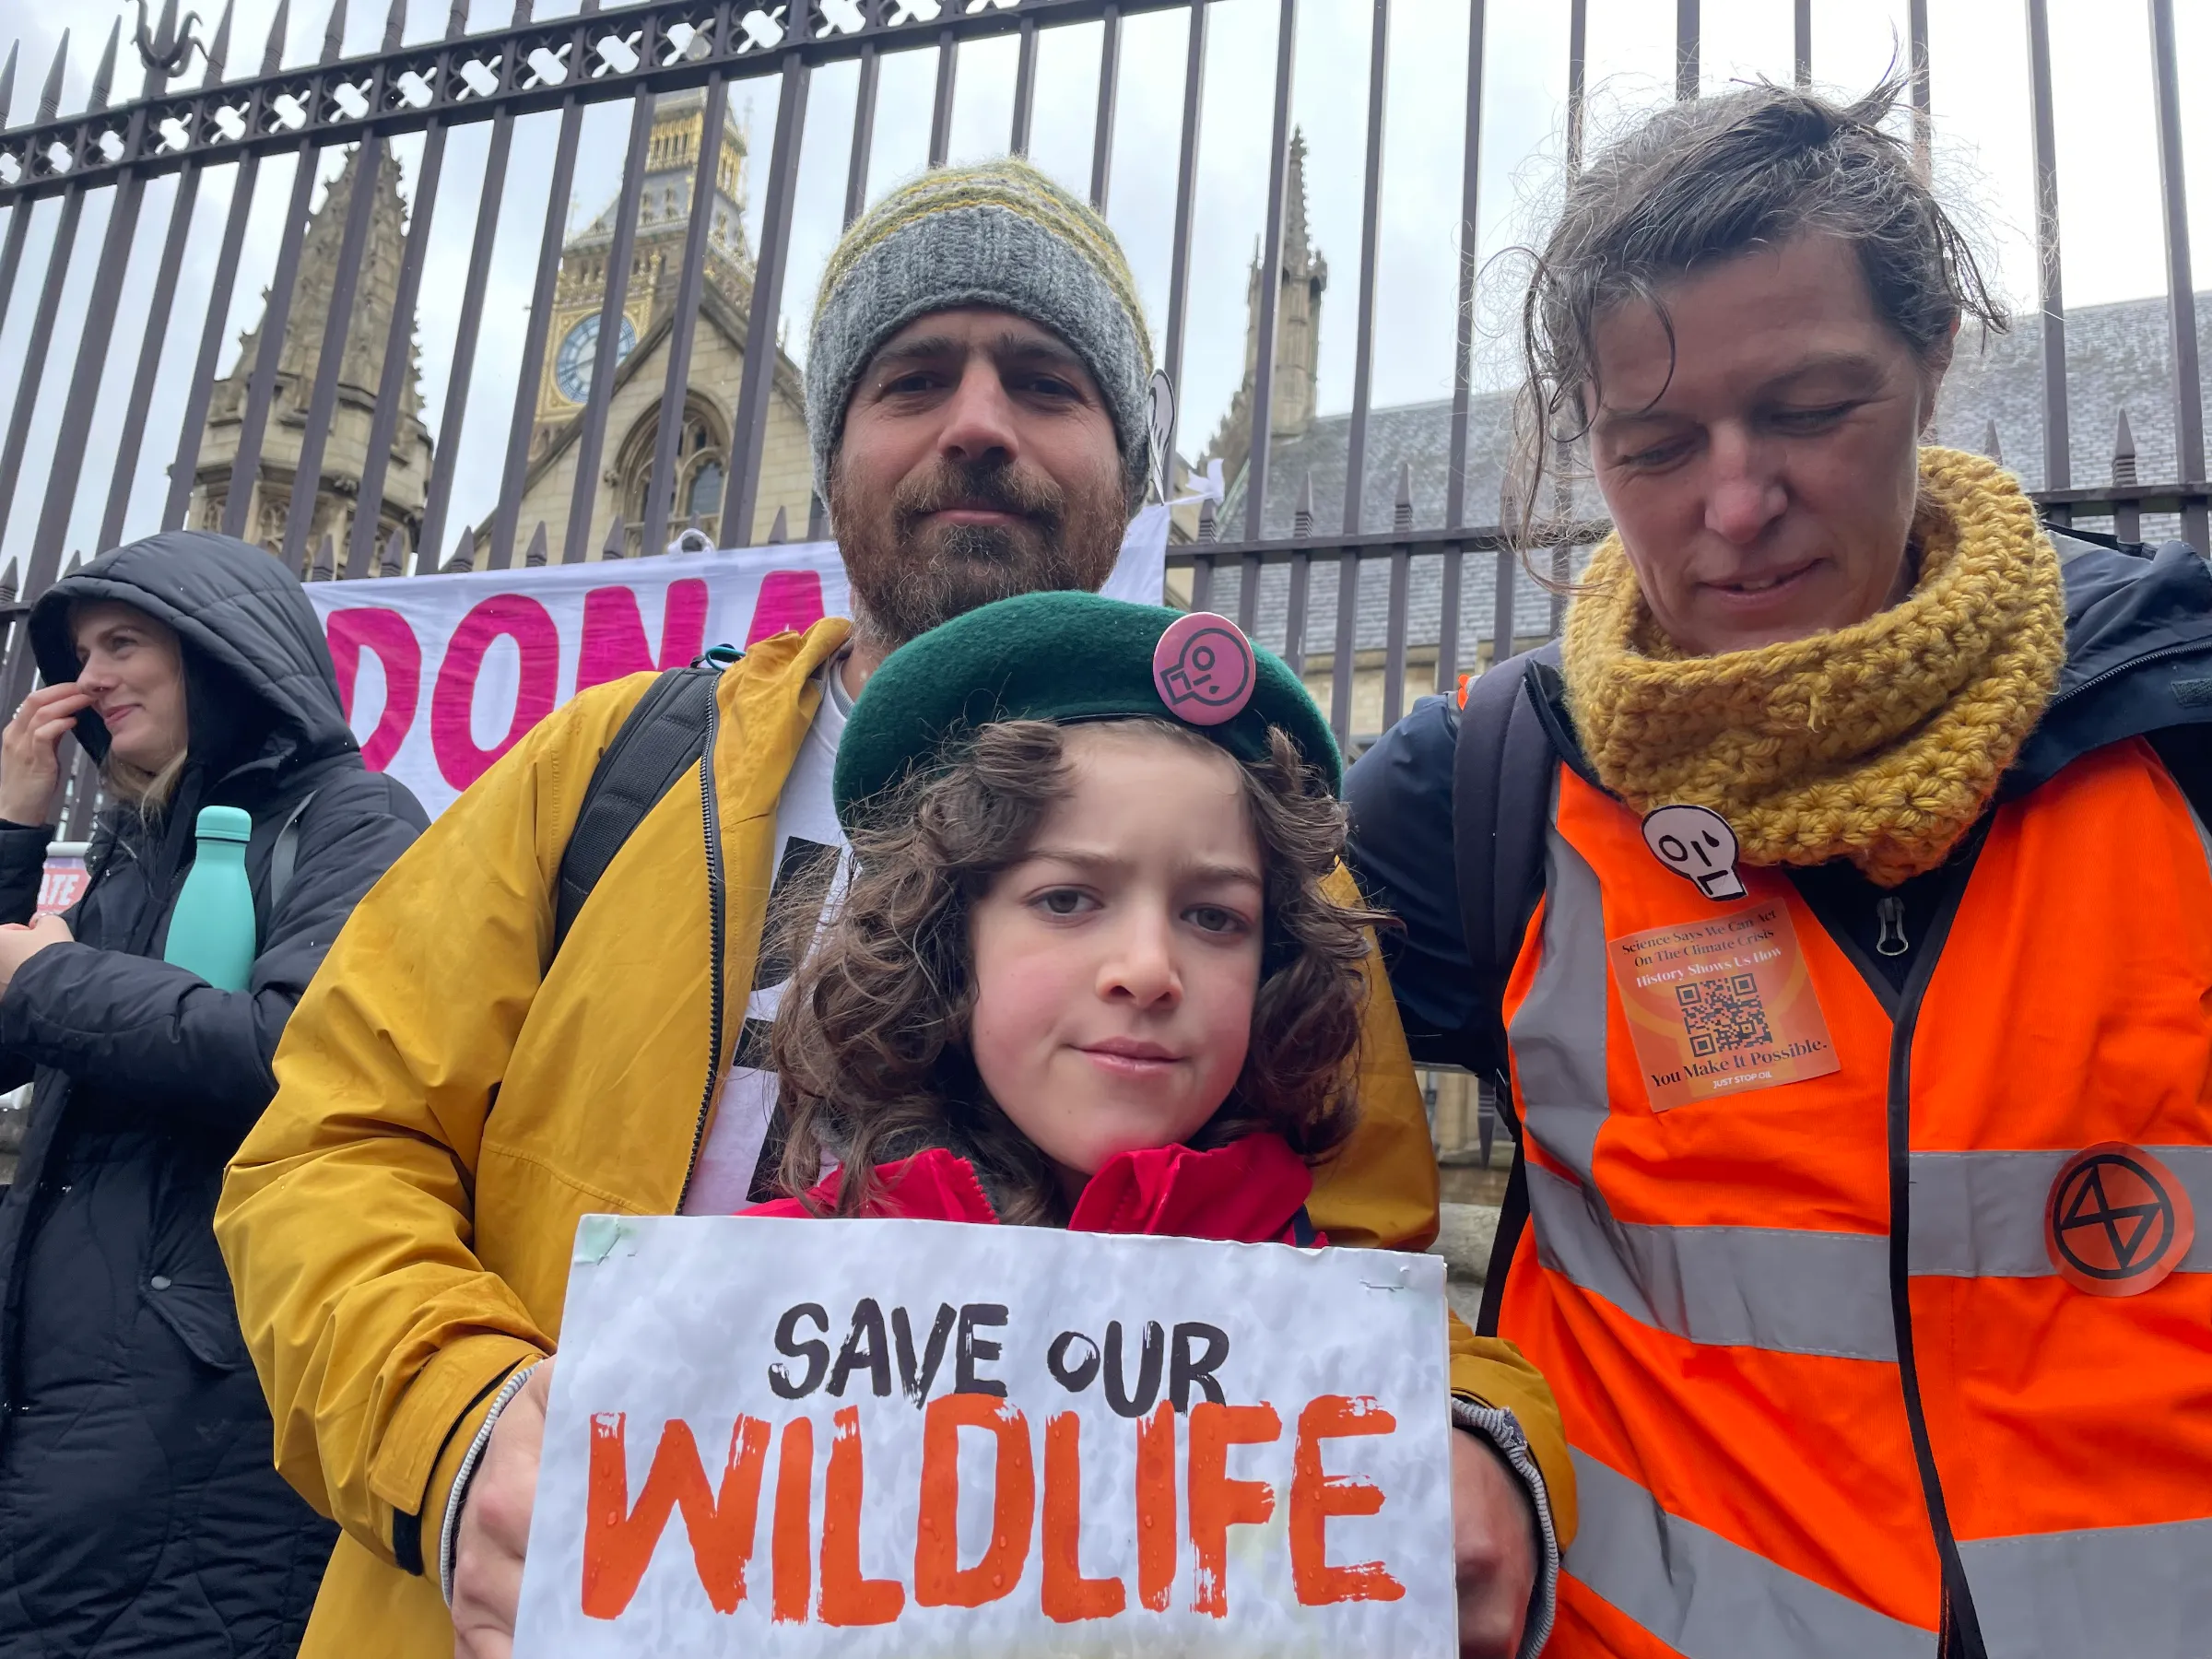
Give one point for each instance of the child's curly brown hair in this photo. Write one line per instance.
(870, 1043)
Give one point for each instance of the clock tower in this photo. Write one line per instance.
(622, 495)
(656, 257)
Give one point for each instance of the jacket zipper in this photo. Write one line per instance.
(1890, 912)
(711, 816)
(2183, 648)
(1959, 1623)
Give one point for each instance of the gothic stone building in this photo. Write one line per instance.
(717, 370)
(717, 366)
(407, 473)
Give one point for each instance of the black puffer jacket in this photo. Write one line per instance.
(139, 1514)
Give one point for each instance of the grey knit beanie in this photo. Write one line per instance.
(1000, 235)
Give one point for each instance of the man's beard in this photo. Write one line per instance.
(907, 578)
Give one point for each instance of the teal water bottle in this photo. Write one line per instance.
(211, 930)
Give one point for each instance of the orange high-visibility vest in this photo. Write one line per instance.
(1825, 1347)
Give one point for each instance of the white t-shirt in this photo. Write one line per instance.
(806, 833)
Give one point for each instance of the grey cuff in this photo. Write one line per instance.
(449, 1531)
(1503, 1430)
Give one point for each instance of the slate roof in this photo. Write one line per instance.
(2118, 358)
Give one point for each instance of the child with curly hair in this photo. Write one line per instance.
(1085, 973)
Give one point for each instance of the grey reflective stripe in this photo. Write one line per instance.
(2203, 837)
(1785, 1289)
(2142, 1590)
(1710, 1598)
(1981, 1214)
(1558, 1031)
(1793, 1291)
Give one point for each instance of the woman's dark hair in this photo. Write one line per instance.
(1704, 180)
(870, 1043)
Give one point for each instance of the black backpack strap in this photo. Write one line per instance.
(284, 857)
(660, 739)
(2187, 752)
(1501, 777)
(1502, 773)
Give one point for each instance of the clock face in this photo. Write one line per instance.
(572, 364)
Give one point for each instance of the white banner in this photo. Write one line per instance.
(908, 1439)
(442, 674)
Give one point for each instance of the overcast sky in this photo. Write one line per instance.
(2108, 178)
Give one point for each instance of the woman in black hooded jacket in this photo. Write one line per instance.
(139, 1512)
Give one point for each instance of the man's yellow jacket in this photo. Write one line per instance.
(451, 1097)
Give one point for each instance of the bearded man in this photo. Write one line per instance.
(482, 1062)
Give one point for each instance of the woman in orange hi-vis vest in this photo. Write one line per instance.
(1834, 902)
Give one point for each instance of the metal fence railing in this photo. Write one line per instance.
(1377, 606)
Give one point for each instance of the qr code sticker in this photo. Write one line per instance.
(1724, 1015)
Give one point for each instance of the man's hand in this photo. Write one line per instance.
(495, 1525)
(19, 942)
(1493, 1546)
(30, 769)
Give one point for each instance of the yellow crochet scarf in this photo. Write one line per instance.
(1881, 742)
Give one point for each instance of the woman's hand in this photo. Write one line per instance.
(495, 1525)
(1494, 1547)
(19, 943)
(30, 771)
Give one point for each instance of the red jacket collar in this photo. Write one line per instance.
(1248, 1192)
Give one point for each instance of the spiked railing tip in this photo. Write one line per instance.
(613, 549)
(456, 19)
(395, 23)
(271, 55)
(333, 34)
(395, 556)
(11, 582)
(50, 98)
(1401, 515)
(464, 552)
(325, 568)
(8, 83)
(1301, 521)
(219, 55)
(778, 532)
(103, 77)
(77, 562)
(1991, 447)
(1209, 527)
(2124, 454)
(537, 555)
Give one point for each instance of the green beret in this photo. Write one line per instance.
(1069, 657)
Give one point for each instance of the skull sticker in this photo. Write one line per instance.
(1697, 844)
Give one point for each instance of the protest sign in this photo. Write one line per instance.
(64, 880)
(916, 1438)
(442, 674)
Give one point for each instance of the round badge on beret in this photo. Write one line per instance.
(1204, 668)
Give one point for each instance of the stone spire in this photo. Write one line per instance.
(360, 374)
(1298, 250)
(1305, 273)
(1298, 310)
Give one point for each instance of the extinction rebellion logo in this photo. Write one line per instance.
(2117, 1221)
